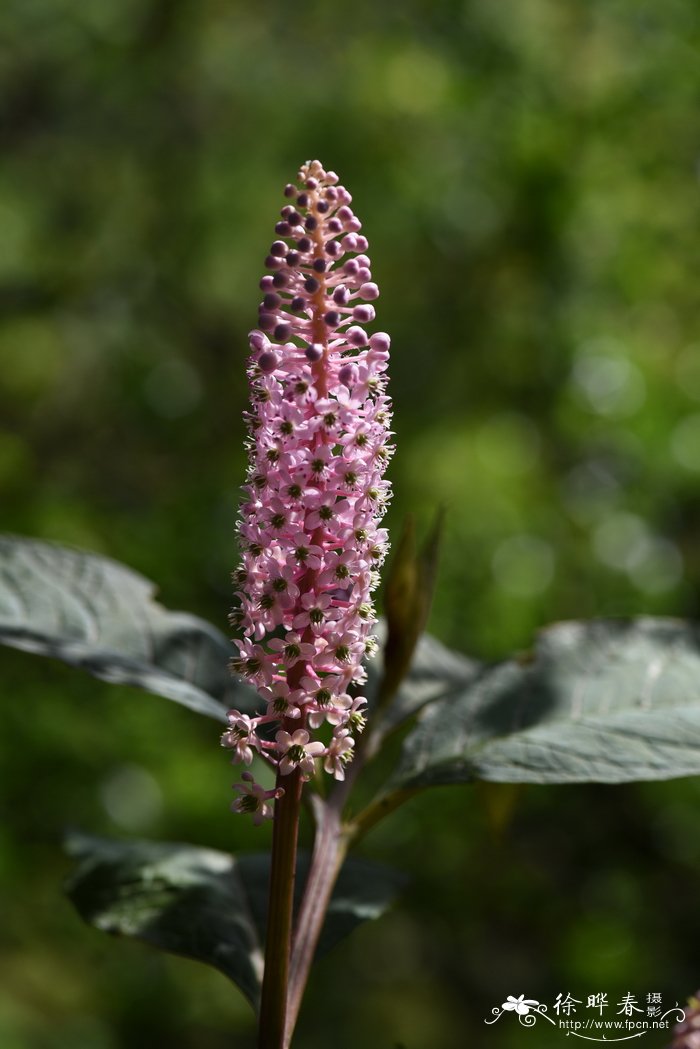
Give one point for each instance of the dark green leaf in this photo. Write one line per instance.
(605, 701)
(363, 891)
(185, 900)
(205, 904)
(96, 614)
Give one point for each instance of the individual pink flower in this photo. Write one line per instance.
(254, 800)
(338, 753)
(310, 520)
(298, 751)
(292, 648)
(240, 737)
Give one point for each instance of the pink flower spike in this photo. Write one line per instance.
(319, 441)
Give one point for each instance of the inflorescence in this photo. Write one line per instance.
(319, 442)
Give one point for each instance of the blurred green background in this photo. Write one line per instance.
(526, 171)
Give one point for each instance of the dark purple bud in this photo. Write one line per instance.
(294, 218)
(334, 226)
(266, 283)
(351, 268)
(314, 352)
(267, 321)
(331, 194)
(331, 319)
(304, 244)
(293, 258)
(311, 183)
(290, 190)
(279, 248)
(311, 285)
(380, 341)
(363, 314)
(340, 295)
(322, 207)
(272, 262)
(333, 249)
(283, 331)
(303, 200)
(348, 375)
(319, 265)
(355, 336)
(344, 214)
(272, 301)
(268, 361)
(369, 291)
(279, 280)
(297, 304)
(283, 229)
(310, 222)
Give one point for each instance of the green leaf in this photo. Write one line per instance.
(185, 900)
(205, 904)
(604, 701)
(100, 616)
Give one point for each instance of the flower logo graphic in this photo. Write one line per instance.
(520, 1005)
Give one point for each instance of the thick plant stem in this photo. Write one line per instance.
(273, 1004)
(333, 838)
(330, 846)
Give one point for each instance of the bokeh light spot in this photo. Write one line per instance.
(685, 442)
(131, 797)
(609, 385)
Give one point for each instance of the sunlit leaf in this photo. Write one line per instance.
(100, 616)
(606, 701)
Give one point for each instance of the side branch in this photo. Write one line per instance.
(330, 848)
